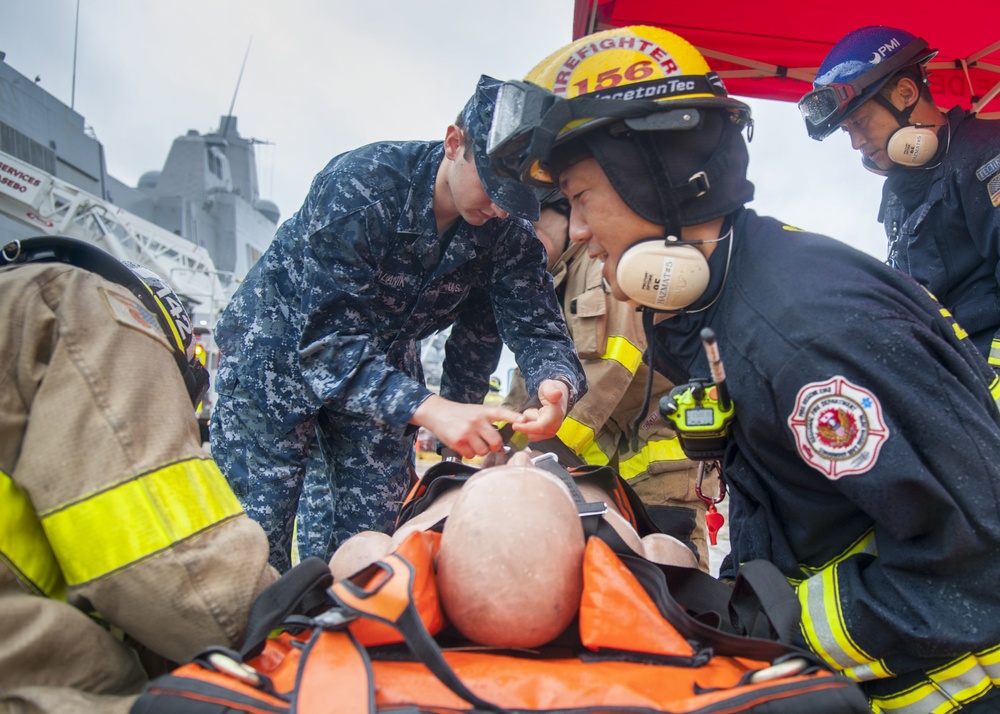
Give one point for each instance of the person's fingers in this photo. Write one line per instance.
(544, 426)
(494, 442)
(553, 392)
(528, 415)
(479, 442)
(549, 415)
(501, 414)
(464, 449)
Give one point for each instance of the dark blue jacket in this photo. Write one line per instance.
(943, 226)
(864, 460)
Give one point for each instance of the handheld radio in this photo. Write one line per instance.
(701, 411)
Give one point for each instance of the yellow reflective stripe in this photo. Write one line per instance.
(994, 357)
(921, 699)
(962, 680)
(947, 688)
(995, 390)
(824, 629)
(594, 455)
(624, 353)
(653, 452)
(161, 508)
(962, 334)
(865, 543)
(23, 545)
(575, 434)
(178, 340)
(991, 660)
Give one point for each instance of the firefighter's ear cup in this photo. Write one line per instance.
(912, 145)
(662, 275)
(510, 566)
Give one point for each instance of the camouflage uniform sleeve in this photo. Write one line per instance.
(527, 312)
(342, 354)
(472, 352)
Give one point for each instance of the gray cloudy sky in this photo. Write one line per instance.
(325, 76)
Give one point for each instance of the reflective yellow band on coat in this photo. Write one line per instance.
(994, 357)
(161, 508)
(995, 390)
(575, 434)
(594, 455)
(959, 332)
(654, 451)
(23, 545)
(958, 683)
(865, 543)
(824, 629)
(624, 353)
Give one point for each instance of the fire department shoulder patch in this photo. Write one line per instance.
(838, 427)
(127, 310)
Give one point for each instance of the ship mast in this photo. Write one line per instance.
(76, 39)
(232, 104)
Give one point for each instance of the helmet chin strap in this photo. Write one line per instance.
(657, 166)
(902, 115)
(873, 167)
(911, 145)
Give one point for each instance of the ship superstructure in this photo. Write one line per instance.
(198, 222)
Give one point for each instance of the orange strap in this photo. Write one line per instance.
(341, 653)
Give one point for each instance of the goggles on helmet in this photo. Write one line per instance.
(520, 109)
(828, 105)
(829, 100)
(530, 121)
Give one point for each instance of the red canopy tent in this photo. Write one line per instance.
(771, 49)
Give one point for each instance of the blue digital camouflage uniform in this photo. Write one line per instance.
(320, 340)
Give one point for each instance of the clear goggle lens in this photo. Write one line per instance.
(520, 108)
(825, 103)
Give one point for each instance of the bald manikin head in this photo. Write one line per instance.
(510, 568)
(510, 565)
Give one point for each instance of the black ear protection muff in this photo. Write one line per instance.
(171, 316)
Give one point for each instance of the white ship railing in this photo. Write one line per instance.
(55, 207)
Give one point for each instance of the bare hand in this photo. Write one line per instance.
(468, 429)
(543, 422)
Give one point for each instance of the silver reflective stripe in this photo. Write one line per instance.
(948, 688)
(824, 628)
(994, 357)
(823, 622)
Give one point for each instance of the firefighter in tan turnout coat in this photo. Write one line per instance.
(121, 544)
